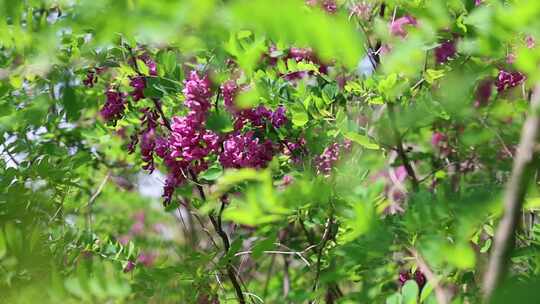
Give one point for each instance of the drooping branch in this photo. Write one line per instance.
(516, 188)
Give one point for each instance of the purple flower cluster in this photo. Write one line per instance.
(445, 51)
(91, 77)
(507, 80)
(245, 151)
(257, 117)
(418, 276)
(325, 162)
(114, 106)
(138, 83)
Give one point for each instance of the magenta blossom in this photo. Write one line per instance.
(445, 51)
(245, 151)
(129, 266)
(278, 117)
(507, 80)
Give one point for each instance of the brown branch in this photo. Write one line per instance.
(516, 188)
(327, 235)
(224, 238)
(399, 147)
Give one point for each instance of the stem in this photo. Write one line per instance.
(224, 238)
(399, 147)
(166, 122)
(156, 102)
(516, 188)
(325, 238)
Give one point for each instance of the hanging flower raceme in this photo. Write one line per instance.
(114, 106)
(148, 138)
(189, 142)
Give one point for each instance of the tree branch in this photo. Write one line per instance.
(516, 189)
(224, 238)
(442, 294)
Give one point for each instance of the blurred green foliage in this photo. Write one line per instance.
(73, 219)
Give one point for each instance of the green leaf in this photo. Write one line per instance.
(212, 174)
(143, 68)
(395, 298)
(410, 292)
(299, 117)
(362, 140)
(220, 122)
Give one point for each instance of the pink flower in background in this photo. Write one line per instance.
(147, 258)
(124, 239)
(330, 6)
(360, 10)
(437, 138)
(287, 180)
(397, 27)
(510, 58)
(530, 42)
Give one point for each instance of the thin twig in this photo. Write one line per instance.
(277, 252)
(516, 188)
(399, 147)
(268, 276)
(94, 197)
